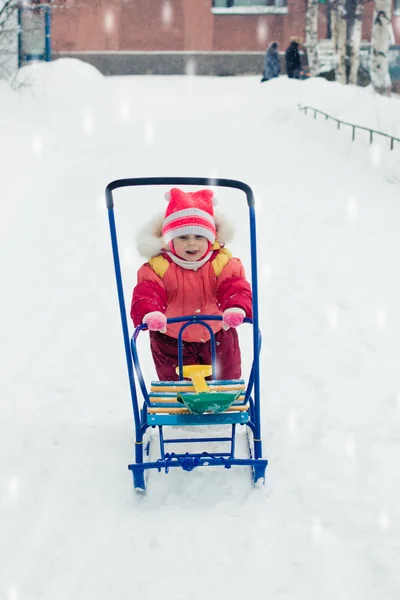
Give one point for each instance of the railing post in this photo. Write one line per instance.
(354, 133)
(370, 136)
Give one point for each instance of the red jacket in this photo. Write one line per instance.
(165, 286)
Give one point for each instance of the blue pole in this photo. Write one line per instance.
(124, 322)
(19, 38)
(47, 29)
(256, 343)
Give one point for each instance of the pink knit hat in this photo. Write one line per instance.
(189, 213)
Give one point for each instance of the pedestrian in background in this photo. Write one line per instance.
(272, 66)
(293, 60)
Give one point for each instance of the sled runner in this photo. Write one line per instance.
(192, 401)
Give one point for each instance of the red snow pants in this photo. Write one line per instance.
(165, 354)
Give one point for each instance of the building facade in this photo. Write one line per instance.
(188, 25)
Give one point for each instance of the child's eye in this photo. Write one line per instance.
(183, 237)
(200, 237)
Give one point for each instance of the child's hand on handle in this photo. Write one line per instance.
(233, 317)
(156, 321)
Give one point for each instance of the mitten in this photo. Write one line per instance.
(233, 317)
(156, 321)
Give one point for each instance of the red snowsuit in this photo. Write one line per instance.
(165, 286)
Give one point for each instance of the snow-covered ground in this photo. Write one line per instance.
(327, 523)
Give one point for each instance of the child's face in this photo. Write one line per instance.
(191, 247)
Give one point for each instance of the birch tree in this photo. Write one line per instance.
(380, 47)
(334, 24)
(341, 75)
(356, 41)
(8, 37)
(312, 36)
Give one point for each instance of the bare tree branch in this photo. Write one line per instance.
(6, 11)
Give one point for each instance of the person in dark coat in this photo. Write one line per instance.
(272, 67)
(293, 60)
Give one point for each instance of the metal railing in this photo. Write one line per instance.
(354, 127)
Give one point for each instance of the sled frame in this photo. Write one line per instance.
(142, 418)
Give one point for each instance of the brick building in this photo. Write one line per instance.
(206, 37)
(188, 25)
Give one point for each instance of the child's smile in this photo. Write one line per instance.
(191, 247)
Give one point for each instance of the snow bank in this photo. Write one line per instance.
(327, 523)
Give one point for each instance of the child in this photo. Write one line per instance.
(191, 272)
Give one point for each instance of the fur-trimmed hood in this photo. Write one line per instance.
(149, 240)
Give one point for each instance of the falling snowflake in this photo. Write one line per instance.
(384, 521)
(149, 133)
(376, 155)
(333, 317)
(128, 255)
(262, 31)
(13, 487)
(12, 594)
(124, 110)
(267, 271)
(101, 203)
(38, 145)
(350, 447)
(190, 67)
(292, 420)
(88, 122)
(316, 528)
(212, 177)
(352, 208)
(381, 319)
(108, 21)
(166, 13)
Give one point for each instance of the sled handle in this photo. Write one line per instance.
(206, 181)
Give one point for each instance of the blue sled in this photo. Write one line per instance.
(159, 406)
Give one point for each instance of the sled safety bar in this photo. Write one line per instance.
(210, 182)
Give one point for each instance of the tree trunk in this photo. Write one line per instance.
(341, 76)
(380, 47)
(356, 42)
(334, 23)
(8, 38)
(312, 36)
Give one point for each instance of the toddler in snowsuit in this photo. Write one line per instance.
(190, 272)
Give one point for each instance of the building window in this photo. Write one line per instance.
(397, 7)
(231, 3)
(249, 6)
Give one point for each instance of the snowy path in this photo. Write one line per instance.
(327, 523)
